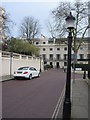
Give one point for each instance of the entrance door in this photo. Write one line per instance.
(58, 65)
(51, 64)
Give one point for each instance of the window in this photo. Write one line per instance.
(81, 48)
(88, 48)
(23, 68)
(65, 48)
(58, 49)
(81, 56)
(44, 57)
(37, 43)
(58, 56)
(51, 49)
(65, 56)
(45, 62)
(44, 42)
(51, 64)
(31, 68)
(65, 63)
(50, 42)
(51, 56)
(44, 49)
(35, 69)
(88, 56)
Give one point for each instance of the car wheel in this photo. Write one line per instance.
(38, 74)
(30, 76)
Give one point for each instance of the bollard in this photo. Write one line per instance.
(84, 75)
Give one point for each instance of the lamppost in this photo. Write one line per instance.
(67, 102)
(11, 56)
(40, 62)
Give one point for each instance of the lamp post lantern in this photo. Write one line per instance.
(67, 102)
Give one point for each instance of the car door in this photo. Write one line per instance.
(35, 71)
(32, 71)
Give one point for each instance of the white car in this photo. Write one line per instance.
(26, 72)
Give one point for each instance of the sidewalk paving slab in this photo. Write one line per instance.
(79, 99)
(6, 78)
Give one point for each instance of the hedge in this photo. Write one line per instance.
(83, 66)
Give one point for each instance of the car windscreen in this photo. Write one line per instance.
(23, 68)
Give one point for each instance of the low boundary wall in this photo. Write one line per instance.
(8, 63)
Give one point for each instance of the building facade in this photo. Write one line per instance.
(54, 51)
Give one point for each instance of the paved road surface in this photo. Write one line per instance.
(36, 98)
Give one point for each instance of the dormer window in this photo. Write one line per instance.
(58, 48)
(37, 43)
(44, 42)
(51, 49)
(44, 49)
(65, 48)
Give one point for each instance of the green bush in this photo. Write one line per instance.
(22, 47)
(47, 66)
(83, 66)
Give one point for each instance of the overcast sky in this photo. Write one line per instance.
(18, 9)
(39, 10)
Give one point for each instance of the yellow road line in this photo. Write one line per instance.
(59, 105)
(57, 108)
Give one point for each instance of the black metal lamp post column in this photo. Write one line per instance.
(40, 63)
(67, 102)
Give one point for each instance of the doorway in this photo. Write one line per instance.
(57, 65)
(51, 64)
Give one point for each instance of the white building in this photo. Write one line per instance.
(54, 51)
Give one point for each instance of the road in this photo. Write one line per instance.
(36, 98)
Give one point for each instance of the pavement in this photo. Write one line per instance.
(5, 78)
(80, 90)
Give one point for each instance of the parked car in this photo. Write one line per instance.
(26, 72)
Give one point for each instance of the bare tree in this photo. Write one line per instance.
(51, 29)
(8, 24)
(57, 26)
(55, 31)
(80, 11)
(29, 28)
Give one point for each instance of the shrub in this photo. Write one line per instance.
(83, 66)
(22, 47)
(47, 66)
